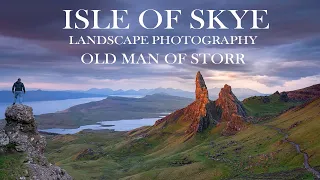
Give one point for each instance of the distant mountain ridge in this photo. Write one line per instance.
(241, 93)
(39, 95)
(42, 95)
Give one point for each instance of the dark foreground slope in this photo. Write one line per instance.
(113, 108)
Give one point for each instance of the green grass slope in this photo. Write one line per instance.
(303, 126)
(262, 106)
(164, 152)
(256, 152)
(11, 166)
(268, 106)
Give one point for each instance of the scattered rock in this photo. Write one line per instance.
(87, 153)
(238, 149)
(284, 97)
(47, 172)
(295, 125)
(182, 162)
(266, 99)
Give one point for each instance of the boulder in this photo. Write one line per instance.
(51, 172)
(20, 113)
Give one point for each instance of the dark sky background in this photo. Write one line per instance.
(34, 46)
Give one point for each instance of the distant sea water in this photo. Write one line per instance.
(44, 107)
(116, 125)
(120, 125)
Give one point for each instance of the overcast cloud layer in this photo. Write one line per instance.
(34, 46)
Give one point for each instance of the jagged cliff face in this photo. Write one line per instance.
(21, 135)
(204, 113)
(229, 103)
(232, 111)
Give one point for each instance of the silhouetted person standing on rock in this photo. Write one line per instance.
(17, 89)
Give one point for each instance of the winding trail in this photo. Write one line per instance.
(298, 149)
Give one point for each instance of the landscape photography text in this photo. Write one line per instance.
(169, 20)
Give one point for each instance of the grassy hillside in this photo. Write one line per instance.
(257, 152)
(11, 166)
(302, 125)
(261, 106)
(260, 151)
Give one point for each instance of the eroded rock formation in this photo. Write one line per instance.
(201, 89)
(232, 110)
(204, 113)
(199, 115)
(21, 135)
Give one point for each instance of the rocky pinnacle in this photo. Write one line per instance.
(204, 113)
(201, 89)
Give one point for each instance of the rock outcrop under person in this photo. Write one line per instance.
(20, 135)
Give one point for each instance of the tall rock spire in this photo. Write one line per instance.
(201, 89)
(196, 117)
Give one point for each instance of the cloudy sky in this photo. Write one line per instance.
(34, 46)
